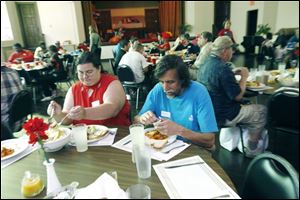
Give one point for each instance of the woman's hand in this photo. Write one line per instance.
(55, 107)
(77, 113)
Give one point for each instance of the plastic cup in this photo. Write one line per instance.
(143, 161)
(281, 67)
(138, 191)
(79, 132)
(32, 185)
(137, 137)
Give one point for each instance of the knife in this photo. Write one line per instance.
(182, 165)
(127, 142)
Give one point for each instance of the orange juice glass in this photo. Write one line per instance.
(32, 185)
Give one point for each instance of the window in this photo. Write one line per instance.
(6, 32)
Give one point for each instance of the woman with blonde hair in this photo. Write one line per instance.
(95, 44)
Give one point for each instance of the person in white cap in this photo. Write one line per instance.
(226, 94)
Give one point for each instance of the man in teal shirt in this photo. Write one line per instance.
(179, 106)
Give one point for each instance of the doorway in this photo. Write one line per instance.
(251, 22)
(222, 12)
(30, 24)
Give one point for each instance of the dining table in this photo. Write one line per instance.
(86, 167)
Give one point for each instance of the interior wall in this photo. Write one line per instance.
(288, 15)
(199, 14)
(63, 12)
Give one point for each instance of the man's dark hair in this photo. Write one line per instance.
(124, 42)
(88, 57)
(207, 35)
(53, 48)
(17, 45)
(169, 62)
(269, 36)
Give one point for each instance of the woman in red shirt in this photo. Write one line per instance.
(96, 98)
(226, 30)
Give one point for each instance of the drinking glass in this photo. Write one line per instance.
(137, 137)
(281, 67)
(32, 184)
(143, 161)
(138, 191)
(79, 132)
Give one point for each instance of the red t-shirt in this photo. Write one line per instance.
(165, 46)
(81, 99)
(25, 55)
(226, 32)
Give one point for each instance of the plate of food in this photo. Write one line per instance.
(254, 85)
(96, 132)
(157, 139)
(12, 147)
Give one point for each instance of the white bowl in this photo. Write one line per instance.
(56, 145)
(288, 82)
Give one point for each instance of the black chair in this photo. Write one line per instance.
(21, 106)
(5, 132)
(283, 125)
(69, 66)
(127, 79)
(269, 176)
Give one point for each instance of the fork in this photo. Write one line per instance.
(63, 119)
(168, 151)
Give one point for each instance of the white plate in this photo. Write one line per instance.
(98, 128)
(17, 144)
(171, 139)
(261, 85)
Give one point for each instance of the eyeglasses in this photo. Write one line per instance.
(87, 73)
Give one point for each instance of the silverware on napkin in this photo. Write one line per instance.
(182, 165)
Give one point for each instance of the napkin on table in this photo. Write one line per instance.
(104, 187)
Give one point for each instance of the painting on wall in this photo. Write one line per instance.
(128, 22)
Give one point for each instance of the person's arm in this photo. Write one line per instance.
(113, 101)
(244, 73)
(169, 127)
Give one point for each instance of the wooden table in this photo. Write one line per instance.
(86, 167)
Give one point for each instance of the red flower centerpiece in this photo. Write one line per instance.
(35, 128)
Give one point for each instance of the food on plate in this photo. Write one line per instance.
(156, 139)
(6, 152)
(94, 133)
(253, 84)
(54, 133)
(275, 72)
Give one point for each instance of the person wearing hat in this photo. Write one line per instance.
(166, 45)
(226, 94)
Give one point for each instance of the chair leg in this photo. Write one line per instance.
(242, 139)
(34, 95)
(137, 98)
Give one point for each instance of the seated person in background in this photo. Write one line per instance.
(41, 51)
(84, 46)
(226, 95)
(267, 47)
(58, 46)
(96, 98)
(137, 62)
(165, 46)
(55, 72)
(20, 55)
(124, 44)
(226, 30)
(175, 108)
(204, 42)
(185, 44)
(292, 48)
(10, 86)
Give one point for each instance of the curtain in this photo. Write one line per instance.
(170, 16)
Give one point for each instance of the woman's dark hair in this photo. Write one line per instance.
(88, 57)
(169, 62)
(17, 45)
